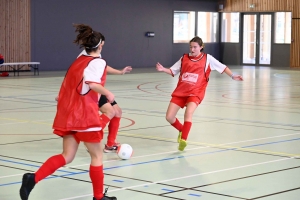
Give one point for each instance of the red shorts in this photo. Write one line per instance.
(92, 136)
(182, 101)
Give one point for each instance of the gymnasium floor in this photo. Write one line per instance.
(244, 142)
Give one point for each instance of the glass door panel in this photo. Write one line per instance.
(249, 39)
(265, 39)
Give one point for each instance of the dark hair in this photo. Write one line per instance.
(199, 41)
(87, 38)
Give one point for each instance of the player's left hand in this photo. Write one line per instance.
(237, 77)
(127, 69)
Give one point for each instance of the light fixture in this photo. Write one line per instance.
(221, 4)
(252, 5)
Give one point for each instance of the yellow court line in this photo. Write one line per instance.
(169, 139)
(215, 145)
(20, 120)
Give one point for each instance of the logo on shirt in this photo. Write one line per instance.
(190, 77)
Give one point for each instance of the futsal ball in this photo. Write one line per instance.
(125, 151)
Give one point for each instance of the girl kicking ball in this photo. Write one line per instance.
(194, 70)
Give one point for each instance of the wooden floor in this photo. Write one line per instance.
(244, 142)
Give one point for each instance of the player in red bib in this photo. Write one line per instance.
(111, 110)
(194, 69)
(77, 117)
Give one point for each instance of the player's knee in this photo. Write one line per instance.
(68, 157)
(110, 113)
(118, 112)
(169, 118)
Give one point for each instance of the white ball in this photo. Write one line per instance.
(125, 151)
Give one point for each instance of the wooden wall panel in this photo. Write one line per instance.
(295, 45)
(272, 6)
(15, 30)
(260, 5)
(296, 9)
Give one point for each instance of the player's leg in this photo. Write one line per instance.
(70, 146)
(175, 104)
(96, 170)
(188, 114)
(106, 109)
(113, 127)
(172, 112)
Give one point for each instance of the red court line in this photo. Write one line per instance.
(139, 88)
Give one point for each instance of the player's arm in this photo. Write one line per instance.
(220, 67)
(232, 75)
(111, 70)
(161, 68)
(102, 90)
(175, 69)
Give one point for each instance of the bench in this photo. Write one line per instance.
(17, 67)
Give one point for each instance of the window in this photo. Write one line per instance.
(207, 26)
(283, 27)
(184, 26)
(230, 27)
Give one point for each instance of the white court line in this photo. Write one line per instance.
(10, 176)
(177, 151)
(191, 149)
(184, 177)
(13, 123)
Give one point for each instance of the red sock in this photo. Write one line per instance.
(113, 128)
(185, 130)
(104, 120)
(97, 177)
(177, 125)
(49, 167)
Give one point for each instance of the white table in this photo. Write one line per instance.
(17, 67)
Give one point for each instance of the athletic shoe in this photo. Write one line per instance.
(106, 197)
(179, 137)
(182, 145)
(28, 184)
(111, 149)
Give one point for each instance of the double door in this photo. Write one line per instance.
(257, 38)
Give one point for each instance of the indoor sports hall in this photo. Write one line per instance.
(244, 143)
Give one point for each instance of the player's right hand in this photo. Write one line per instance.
(110, 96)
(159, 67)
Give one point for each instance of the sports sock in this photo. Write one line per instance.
(97, 177)
(113, 128)
(177, 125)
(49, 167)
(104, 120)
(186, 129)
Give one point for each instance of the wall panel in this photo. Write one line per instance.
(295, 45)
(273, 6)
(260, 5)
(15, 30)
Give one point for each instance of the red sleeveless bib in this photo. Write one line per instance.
(76, 111)
(193, 78)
